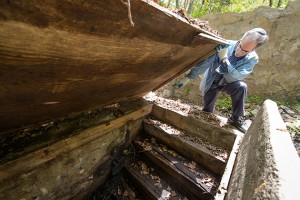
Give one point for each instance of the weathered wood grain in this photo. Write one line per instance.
(23, 141)
(150, 183)
(187, 148)
(60, 57)
(33, 160)
(171, 167)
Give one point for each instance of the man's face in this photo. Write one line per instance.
(244, 47)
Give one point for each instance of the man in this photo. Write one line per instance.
(224, 72)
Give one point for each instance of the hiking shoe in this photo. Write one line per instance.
(239, 124)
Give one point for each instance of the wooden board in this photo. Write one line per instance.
(20, 142)
(59, 57)
(187, 148)
(41, 156)
(188, 181)
(147, 180)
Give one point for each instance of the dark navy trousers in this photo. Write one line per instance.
(237, 91)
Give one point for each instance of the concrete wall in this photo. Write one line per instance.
(267, 165)
(276, 76)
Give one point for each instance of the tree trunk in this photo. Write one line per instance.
(177, 4)
(168, 4)
(270, 3)
(186, 4)
(279, 3)
(191, 7)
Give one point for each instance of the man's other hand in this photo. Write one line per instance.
(181, 83)
(223, 54)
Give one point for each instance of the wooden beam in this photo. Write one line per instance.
(187, 148)
(41, 156)
(147, 180)
(187, 181)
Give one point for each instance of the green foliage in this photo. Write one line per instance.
(297, 107)
(187, 91)
(162, 3)
(252, 109)
(223, 104)
(200, 8)
(254, 100)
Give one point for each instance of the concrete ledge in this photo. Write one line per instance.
(210, 128)
(267, 166)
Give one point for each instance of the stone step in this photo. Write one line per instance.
(186, 175)
(149, 183)
(199, 150)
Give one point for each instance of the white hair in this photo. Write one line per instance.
(257, 35)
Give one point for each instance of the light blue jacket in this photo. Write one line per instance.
(211, 67)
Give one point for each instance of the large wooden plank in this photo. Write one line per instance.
(153, 186)
(19, 142)
(46, 154)
(191, 181)
(59, 57)
(187, 148)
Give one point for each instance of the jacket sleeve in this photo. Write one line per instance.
(241, 71)
(201, 67)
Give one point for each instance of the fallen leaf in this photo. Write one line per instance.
(145, 169)
(260, 186)
(153, 140)
(173, 193)
(125, 194)
(172, 153)
(158, 185)
(133, 194)
(207, 180)
(148, 148)
(192, 165)
(165, 194)
(165, 148)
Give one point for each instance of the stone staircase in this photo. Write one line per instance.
(178, 157)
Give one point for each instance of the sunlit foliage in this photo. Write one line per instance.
(197, 8)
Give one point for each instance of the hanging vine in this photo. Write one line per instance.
(129, 11)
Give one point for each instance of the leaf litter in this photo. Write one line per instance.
(213, 149)
(201, 175)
